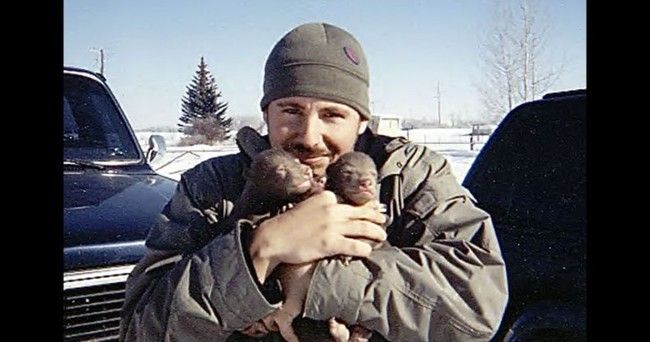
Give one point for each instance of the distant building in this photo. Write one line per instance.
(482, 129)
(478, 130)
(386, 125)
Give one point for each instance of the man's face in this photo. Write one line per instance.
(315, 131)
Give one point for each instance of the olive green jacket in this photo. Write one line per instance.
(439, 277)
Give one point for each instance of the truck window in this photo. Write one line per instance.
(93, 128)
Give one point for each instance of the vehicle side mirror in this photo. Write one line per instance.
(157, 147)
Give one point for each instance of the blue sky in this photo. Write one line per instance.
(153, 48)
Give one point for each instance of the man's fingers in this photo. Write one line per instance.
(366, 212)
(352, 247)
(361, 229)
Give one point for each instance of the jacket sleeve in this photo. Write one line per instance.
(200, 295)
(442, 279)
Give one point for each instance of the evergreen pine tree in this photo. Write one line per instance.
(202, 113)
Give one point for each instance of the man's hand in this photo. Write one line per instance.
(315, 228)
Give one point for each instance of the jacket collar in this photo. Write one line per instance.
(384, 151)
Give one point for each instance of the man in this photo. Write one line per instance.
(440, 277)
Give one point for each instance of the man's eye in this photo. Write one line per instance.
(292, 111)
(333, 115)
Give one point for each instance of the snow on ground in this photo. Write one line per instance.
(171, 138)
(460, 159)
(437, 135)
(178, 159)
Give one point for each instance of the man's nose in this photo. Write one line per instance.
(311, 132)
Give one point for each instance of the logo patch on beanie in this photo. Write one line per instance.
(351, 55)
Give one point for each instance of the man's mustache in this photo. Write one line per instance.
(304, 152)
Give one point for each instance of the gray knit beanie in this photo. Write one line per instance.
(318, 60)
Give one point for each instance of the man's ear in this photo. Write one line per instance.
(362, 126)
(265, 116)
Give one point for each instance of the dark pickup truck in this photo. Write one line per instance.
(111, 197)
(530, 176)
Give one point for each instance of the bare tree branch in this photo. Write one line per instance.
(512, 59)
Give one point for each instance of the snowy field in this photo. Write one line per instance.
(450, 142)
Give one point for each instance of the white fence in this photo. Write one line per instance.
(446, 138)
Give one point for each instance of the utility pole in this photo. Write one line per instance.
(101, 71)
(438, 98)
(101, 60)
